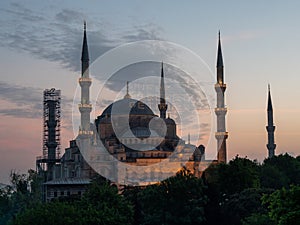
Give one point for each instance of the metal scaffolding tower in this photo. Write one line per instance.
(52, 98)
(51, 129)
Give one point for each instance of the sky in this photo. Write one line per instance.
(40, 47)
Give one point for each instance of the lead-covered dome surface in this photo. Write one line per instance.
(127, 106)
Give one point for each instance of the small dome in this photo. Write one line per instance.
(170, 121)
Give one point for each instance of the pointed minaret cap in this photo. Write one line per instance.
(162, 84)
(85, 50)
(127, 91)
(162, 69)
(219, 57)
(270, 107)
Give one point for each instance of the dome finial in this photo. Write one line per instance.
(127, 90)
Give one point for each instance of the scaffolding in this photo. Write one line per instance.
(51, 105)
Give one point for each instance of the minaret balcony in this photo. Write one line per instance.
(86, 132)
(270, 128)
(85, 105)
(220, 111)
(220, 87)
(85, 80)
(221, 135)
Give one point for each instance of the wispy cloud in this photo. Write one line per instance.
(27, 102)
(244, 35)
(58, 37)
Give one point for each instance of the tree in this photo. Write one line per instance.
(176, 200)
(58, 213)
(272, 177)
(284, 205)
(101, 204)
(225, 182)
(280, 171)
(5, 204)
(242, 205)
(258, 219)
(234, 177)
(111, 207)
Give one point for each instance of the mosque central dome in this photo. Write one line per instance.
(127, 106)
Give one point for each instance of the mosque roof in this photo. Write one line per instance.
(127, 106)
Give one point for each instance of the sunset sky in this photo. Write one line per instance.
(40, 47)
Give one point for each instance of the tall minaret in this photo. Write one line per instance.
(270, 128)
(162, 106)
(85, 82)
(220, 87)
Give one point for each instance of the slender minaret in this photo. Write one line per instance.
(85, 82)
(270, 128)
(162, 106)
(220, 87)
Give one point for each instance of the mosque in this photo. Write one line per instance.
(147, 151)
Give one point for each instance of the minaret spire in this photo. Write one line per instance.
(85, 82)
(85, 54)
(270, 127)
(220, 87)
(220, 77)
(270, 107)
(162, 106)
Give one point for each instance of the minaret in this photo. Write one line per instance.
(220, 87)
(270, 128)
(162, 106)
(85, 82)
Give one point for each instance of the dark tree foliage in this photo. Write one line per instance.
(258, 219)
(131, 194)
(234, 177)
(284, 205)
(177, 200)
(241, 205)
(226, 180)
(241, 192)
(23, 192)
(101, 204)
(280, 171)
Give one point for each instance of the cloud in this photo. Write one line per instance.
(245, 35)
(145, 32)
(58, 37)
(20, 95)
(27, 102)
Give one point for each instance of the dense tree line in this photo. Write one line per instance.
(242, 192)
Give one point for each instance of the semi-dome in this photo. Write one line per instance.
(170, 121)
(127, 106)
